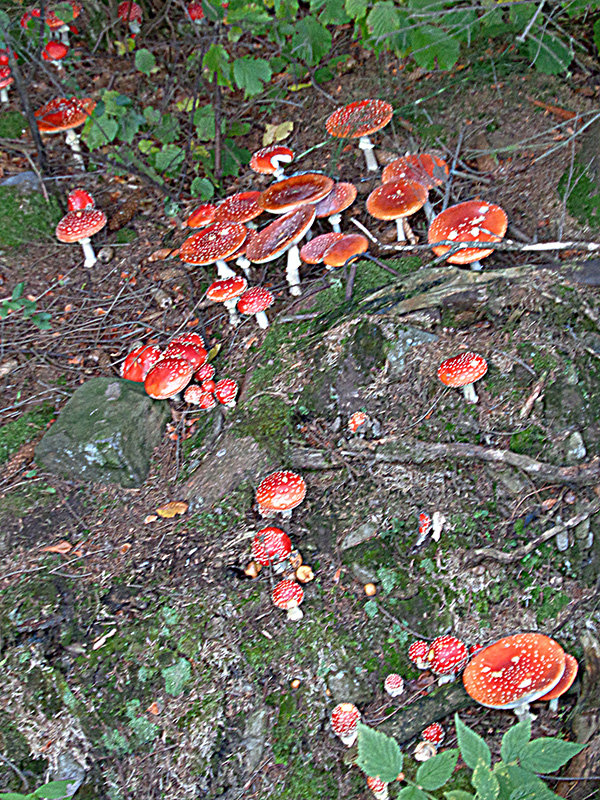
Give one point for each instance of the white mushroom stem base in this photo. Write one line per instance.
(72, 139)
(334, 220)
(553, 704)
(400, 229)
(262, 320)
(367, 146)
(223, 271)
(292, 272)
(244, 265)
(427, 208)
(476, 266)
(470, 393)
(294, 614)
(3, 96)
(523, 712)
(349, 738)
(231, 305)
(88, 252)
(442, 679)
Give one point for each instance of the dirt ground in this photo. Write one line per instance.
(142, 650)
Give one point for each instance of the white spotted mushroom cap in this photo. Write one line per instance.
(514, 670)
(270, 546)
(447, 655)
(305, 188)
(78, 225)
(168, 377)
(288, 595)
(344, 722)
(433, 733)
(240, 207)
(398, 198)
(462, 369)
(215, 242)
(226, 391)
(472, 221)
(266, 160)
(280, 491)
(422, 167)
(394, 684)
(417, 652)
(255, 300)
(278, 236)
(359, 118)
(378, 787)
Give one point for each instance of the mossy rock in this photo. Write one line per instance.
(583, 198)
(12, 125)
(26, 217)
(24, 429)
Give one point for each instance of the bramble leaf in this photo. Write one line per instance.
(473, 748)
(378, 754)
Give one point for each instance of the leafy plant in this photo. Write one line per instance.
(41, 319)
(514, 777)
(55, 790)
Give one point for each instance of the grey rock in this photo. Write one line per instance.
(575, 448)
(106, 433)
(346, 687)
(405, 338)
(562, 541)
(359, 535)
(26, 181)
(253, 741)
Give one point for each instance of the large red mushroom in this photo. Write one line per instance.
(280, 492)
(79, 226)
(359, 120)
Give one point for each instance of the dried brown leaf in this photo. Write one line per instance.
(172, 509)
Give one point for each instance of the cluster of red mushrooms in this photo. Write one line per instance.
(508, 674)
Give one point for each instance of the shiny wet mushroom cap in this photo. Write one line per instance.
(139, 362)
(348, 247)
(298, 190)
(313, 252)
(339, 199)
(359, 119)
(201, 216)
(472, 221)
(268, 160)
(288, 595)
(564, 684)
(168, 377)
(270, 546)
(256, 301)
(462, 371)
(280, 492)
(79, 226)
(446, 656)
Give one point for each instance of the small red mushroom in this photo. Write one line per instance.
(201, 216)
(205, 373)
(446, 657)
(213, 245)
(130, 12)
(462, 371)
(167, 378)
(228, 292)
(6, 80)
(256, 301)
(288, 595)
(79, 226)
(433, 733)
(268, 160)
(139, 362)
(55, 52)
(79, 199)
(394, 684)
(358, 120)
(226, 391)
(271, 546)
(344, 722)
(195, 395)
(357, 422)
(280, 492)
(471, 221)
(378, 788)
(417, 652)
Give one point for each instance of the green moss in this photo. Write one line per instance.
(529, 442)
(305, 781)
(12, 125)
(177, 676)
(268, 420)
(24, 429)
(583, 199)
(548, 602)
(26, 217)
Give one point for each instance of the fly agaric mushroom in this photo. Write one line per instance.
(6, 80)
(446, 657)
(256, 301)
(271, 547)
(64, 114)
(268, 160)
(226, 391)
(191, 352)
(344, 722)
(79, 226)
(472, 221)
(60, 27)
(417, 652)
(79, 199)
(201, 216)
(339, 199)
(208, 386)
(240, 207)
(139, 362)
(313, 252)
(213, 245)
(515, 671)
(424, 751)
(168, 377)
(280, 492)
(228, 291)
(130, 12)
(433, 733)
(195, 12)
(359, 119)
(462, 371)
(564, 684)
(280, 236)
(205, 373)
(346, 249)
(426, 169)
(55, 52)
(397, 200)
(288, 595)
(394, 684)
(425, 525)
(357, 421)
(305, 188)
(195, 395)
(378, 788)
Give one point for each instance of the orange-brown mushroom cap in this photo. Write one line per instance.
(462, 369)
(424, 168)
(279, 235)
(394, 199)
(514, 670)
(64, 113)
(566, 680)
(349, 246)
(289, 193)
(281, 491)
(472, 221)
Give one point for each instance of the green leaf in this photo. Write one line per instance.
(532, 791)
(412, 793)
(486, 783)
(549, 54)
(204, 121)
(510, 777)
(251, 74)
(129, 125)
(53, 790)
(473, 748)
(597, 34)
(431, 45)
(548, 754)
(99, 131)
(17, 292)
(311, 41)
(216, 61)
(378, 755)
(169, 157)
(357, 8)
(333, 13)
(167, 130)
(436, 771)
(371, 608)
(458, 794)
(177, 676)
(145, 61)
(202, 188)
(63, 11)
(14, 796)
(514, 740)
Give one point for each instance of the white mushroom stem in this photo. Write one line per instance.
(334, 220)
(292, 272)
(400, 229)
(64, 35)
(134, 27)
(88, 252)
(470, 393)
(262, 320)
(367, 146)
(231, 305)
(72, 139)
(553, 704)
(446, 679)
(476, 266)
(244, 265)
(349, 738)
(294, 613)
(223, 271)
(3, 95)
(427, 208)
(523, 712)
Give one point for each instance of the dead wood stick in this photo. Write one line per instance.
(481, 553)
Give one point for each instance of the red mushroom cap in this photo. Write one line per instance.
(447, 655)
(462, 369)
(226, 289)
(473, 221)
(280, 491)
(54, 22)
(190, 337)
(514, 670)
(195, 11)
(205, 373)
(78, 225)
(280, 235)
(433, 733)
(129, 11)
(33, 13)
(357, 421)
(195, 395)
(339, 199)
(64, 113)
(201, 216)
(54, 51)
(226, 391)
(425, 524)
(398, 198)
(349, 246)
(79, 199)
(566, 680)
(313, 252)
(168, 377)
(271, 545)
(289, 193)
(208, 385)
(139, 362)
(394, 684)
(344, 719)
(240, 207)
(192, 353)
(417, 652)
(219, 240)
(255, 300)
(267, 159)
(6, 78)
(287, 594)
(428, 170)
(359, 118)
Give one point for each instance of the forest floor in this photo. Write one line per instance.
(138, 646)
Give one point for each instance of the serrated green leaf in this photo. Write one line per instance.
(436, 771)
(514, 740)
(167, 130)
(334, 13)
(204, 121)
(17, 292)
(412, 793)
(473, 748)
(458, 794)
(311, 41)
(169, 157)
(129, 125)
(216, 61)
(357, 9)
(548, 754)
(250, 74)
(486, 783)
(371, 608)
(63, 11)
(511, 777)
(531, 791)
(549, 54)
(202, 188)
(145, 61)
(99, 131)
(378, 755)
(53, 790)
(431, 46)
